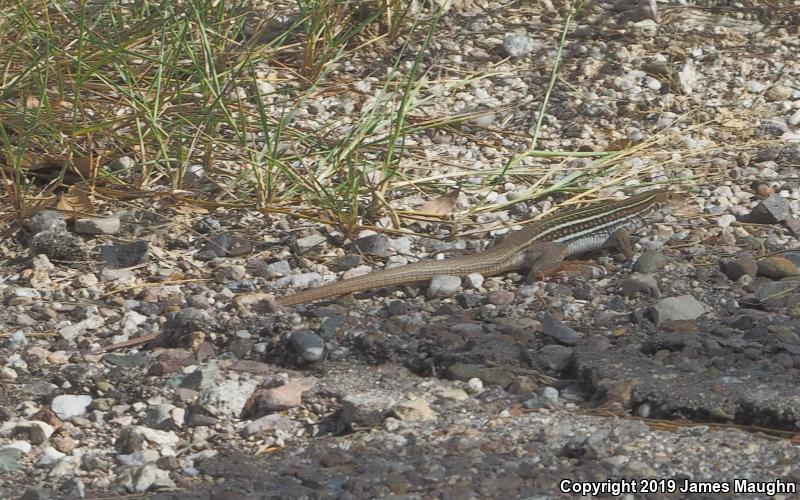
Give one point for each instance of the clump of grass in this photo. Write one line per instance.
(175, 84)
(187, 85)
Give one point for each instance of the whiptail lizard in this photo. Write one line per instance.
(540, 247)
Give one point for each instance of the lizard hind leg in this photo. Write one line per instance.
(547, 259)
(571, 268)
(620, 240)
(544, 259)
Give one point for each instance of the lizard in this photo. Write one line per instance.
(540, 247)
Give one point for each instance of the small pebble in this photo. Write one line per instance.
(443, 286)
(474, 386)
(736, 268)
(105, 225)
(777, 267)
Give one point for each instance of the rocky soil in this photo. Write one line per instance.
(680, 366)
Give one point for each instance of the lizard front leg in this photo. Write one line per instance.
(621, 240)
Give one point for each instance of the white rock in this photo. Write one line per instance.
(104, 225)
(451, 393)
(91, 323)
(264, 87)
(49, 456)
(120, 275)
(24, 293)
(356, 271)
(414, 409)
(687, 77)
(122, 163)
(443, 286)
(794, 120)
(550, 393)
(726, 220)
(131, 321)
(228, 397)
(16, 361)
(475, 386)
(67, 406)
(138, 458)
(178, 416)
(36, 431)
(8, 373)
(87, 280)
(23, 446)
(684, 307)
(66, 466)
(362, 86)
(475, 280)
(268, 424)
(301, 280)
(401, 245)
(652, 83)
(161, 438)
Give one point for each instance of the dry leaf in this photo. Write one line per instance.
(26, 162)
(49, 168)
(76, 202)
(436, 208)
(32, 206)
(82, 165)
(442, 206)
(32, 102)
(619, 144)
(176, 276)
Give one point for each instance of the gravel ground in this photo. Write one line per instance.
(674, 374)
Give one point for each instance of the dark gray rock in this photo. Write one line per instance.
(374, 244)
(641, 283)
(47, 220)
(772, 210)
(649, 262)
(736, 268)
(489, 375)
(58, 244)
(308, 345)
(126, 255)
(346, 262)
(558, 330)
(555, 357)
(218, 245)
